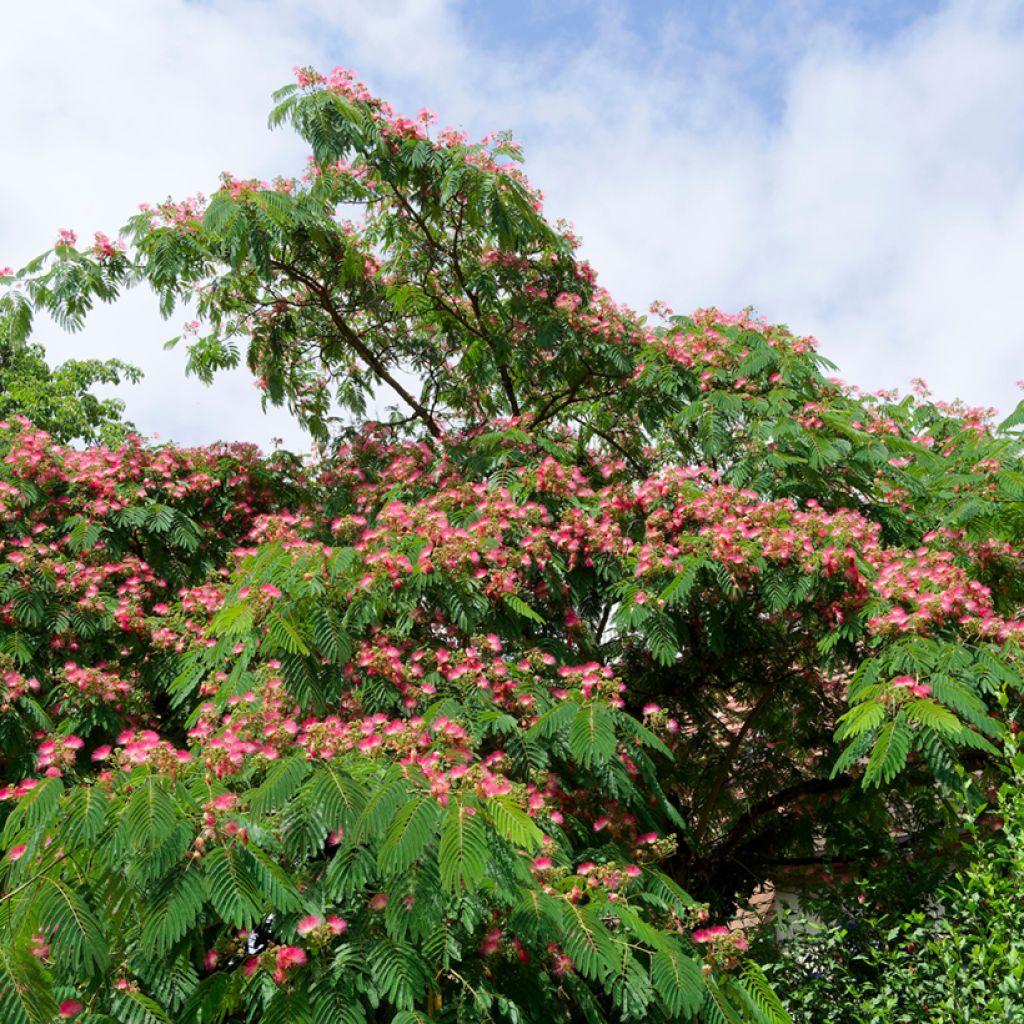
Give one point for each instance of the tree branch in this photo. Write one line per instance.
(730, 756)
(358, 345)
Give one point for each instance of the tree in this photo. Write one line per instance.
(58, 400)
(463, 720)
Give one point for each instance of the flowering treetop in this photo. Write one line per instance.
(470, 717)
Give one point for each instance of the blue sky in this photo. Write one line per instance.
(853, 169)
(747, 33)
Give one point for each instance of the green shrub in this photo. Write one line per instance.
(885, 949)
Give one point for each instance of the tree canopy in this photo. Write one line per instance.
(57, 399)
(481, 713)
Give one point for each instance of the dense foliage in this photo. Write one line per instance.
(57, 399)
(469, 717)
(874, 950)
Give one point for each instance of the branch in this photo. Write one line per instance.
(730, 756)
(753, 814)
(357, 343)
(506, 380)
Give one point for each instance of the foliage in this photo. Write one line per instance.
(59, 399)
(955, 956)
(468, 717)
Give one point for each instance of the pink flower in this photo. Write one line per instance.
(288, 957)
(252, 965)
(542, 863)
(210, 960)
(379, 902)
(16, 852)
(911, 684)
(308, 924)
(291, 956)
(337, 924)
(491, 942)
(270, 590)
(70, 1007)
(101, 753)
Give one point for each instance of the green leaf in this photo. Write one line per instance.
(280, 784)
(275, 882)
(521, 608)
(588, 942)
(133, 1007)
(463, 852)
(678, 980)
(860, 718)
(337, 797)
(398, 972)
(37, 809)
(934, 716)
(150, 816)
(172, 911)
(86, 814)
(25, 995)
(762, 995)
(592, 735)
(412, 830)
(234, 886)
(513, 823)
(77, 935)
(890, 753)
(677, 593)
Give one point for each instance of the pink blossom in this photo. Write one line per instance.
(70, 1007)
(308, 924)
(16, 852)
(288, 957)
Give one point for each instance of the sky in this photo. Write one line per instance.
(852, 169)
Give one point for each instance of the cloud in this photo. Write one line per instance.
(864, 187)
(875, 203)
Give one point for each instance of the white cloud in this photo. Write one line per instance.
(879, 205)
